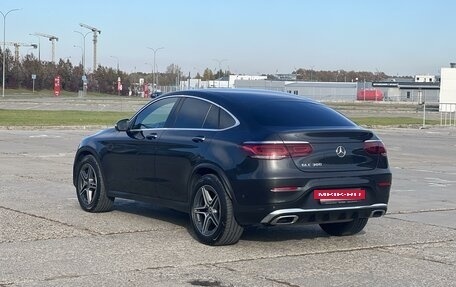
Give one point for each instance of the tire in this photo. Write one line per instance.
(344, 228)
(90, 187)
(211, 213)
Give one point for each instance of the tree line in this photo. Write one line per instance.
(104, 79)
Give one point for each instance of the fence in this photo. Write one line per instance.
(447, 114)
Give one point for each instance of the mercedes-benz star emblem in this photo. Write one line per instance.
(340, 151)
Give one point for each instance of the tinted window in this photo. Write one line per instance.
(212, 119)
(155, 115)
(226, 120)
(192, 113)
(297, 114)
(218, 118)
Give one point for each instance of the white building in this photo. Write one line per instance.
(225, 82)
(319, 91)
(425, 79)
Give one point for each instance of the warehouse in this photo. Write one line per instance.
(414, 92)
(319, 91)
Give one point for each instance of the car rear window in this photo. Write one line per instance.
(297, 114)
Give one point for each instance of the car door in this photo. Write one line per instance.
(182, 147)
(131, 154)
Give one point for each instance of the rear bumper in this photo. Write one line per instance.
(323, 215)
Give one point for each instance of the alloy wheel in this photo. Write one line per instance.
(87, 183)
(206, 210)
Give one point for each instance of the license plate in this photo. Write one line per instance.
(339, 195)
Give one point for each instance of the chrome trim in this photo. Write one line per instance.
(293, 220)
(292, 211)
(176, 129)
(276, 142)
(341, 151)
(374, 213)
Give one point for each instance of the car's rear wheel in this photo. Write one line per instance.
(212, 216)
(90, 187)
(344, 228)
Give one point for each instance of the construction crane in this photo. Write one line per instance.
(16, 47)
(52, 39)
(95, 36)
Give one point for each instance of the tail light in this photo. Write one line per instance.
(375, 147)
(277, 150)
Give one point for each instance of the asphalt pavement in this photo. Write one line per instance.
(47, 240)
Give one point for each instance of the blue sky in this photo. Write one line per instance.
(251, 36)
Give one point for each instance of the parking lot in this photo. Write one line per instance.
(47, 240)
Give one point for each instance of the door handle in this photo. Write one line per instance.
(198, 139)
(152, 136)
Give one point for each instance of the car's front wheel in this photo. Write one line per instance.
(344, 228)
(212, 216)
(90, 186)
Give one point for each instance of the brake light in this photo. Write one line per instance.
(299, 149)
(277, 150)
(375, 147)
(266, 150)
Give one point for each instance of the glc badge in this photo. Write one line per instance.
(340, 151)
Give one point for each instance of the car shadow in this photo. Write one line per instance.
(251, 233)
(282, 233)
(152, 211)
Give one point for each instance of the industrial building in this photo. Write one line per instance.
(404, 91)
(319, 91)
(419, 89)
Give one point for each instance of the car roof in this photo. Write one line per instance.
(239, 97)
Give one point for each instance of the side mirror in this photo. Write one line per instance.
(122, 125)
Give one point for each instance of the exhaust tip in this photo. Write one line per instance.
(377, 213)
(284, 219)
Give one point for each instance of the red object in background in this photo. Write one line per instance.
(146, 91)
(119, 84)
(57, 86)
(369, 95)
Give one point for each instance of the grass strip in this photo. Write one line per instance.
(391, 121)
(80, 118)
(59, 118)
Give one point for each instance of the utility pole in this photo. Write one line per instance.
(3, 51)
(39, 46)
(95, 40)
(220, 61)
(117, 59)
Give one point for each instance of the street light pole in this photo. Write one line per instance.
(153, 74)
(39, 46)
(311, 72)
(82, 52)
(117, 59)
(4, 47)
(220, 61)
(84, 48)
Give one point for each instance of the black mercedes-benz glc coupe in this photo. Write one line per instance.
(232, 158)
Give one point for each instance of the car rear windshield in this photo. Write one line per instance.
(298, 114)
